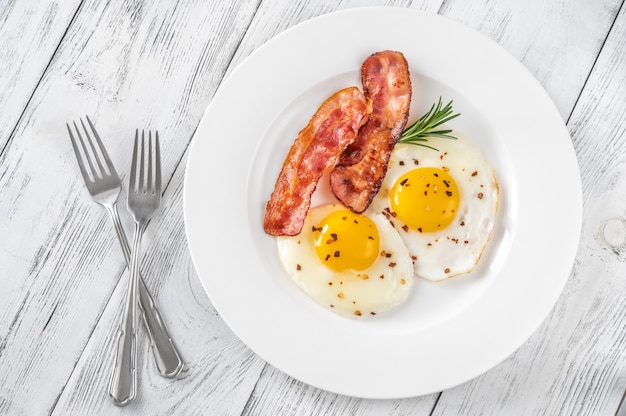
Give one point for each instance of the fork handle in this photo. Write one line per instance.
(123, 386)
(167, 358)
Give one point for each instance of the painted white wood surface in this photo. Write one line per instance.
(157, 65)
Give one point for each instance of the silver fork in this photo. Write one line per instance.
(104, 186)
(144, 199)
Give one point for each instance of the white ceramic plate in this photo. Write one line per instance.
(446, 333)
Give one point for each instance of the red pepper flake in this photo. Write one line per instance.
(419, 229)
(425, 193)
(333, 236)
(298, 267)
(466, 242)
(462, 223)
(480, 195)
(330, 241)
(414, 257)
(436, 174)
(475, 173)
(372, 313)
(382, 276)
(392, 264)
(416, 162)
(447, 270)
(327, 257)
(405, 228)
(357, 312)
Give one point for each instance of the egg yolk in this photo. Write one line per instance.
(346, 241)
(426, 199)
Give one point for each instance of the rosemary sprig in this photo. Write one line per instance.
(418, 132)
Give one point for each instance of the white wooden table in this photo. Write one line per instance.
(157, 64)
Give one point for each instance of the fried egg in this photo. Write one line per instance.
(355, 265)
(442, 203)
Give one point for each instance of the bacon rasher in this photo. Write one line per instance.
(362, 167)
(314, 152)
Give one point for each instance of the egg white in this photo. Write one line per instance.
(354, 294)
(457, 248)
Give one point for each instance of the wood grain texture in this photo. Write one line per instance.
(156, 64)
(128, 65)
(554, 39)
(26, 52)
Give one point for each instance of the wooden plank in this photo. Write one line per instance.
(30, 33)
(575, 363)
(127, 65)
(554, 39)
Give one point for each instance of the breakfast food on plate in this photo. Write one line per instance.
(353, 264)
(443, 204)
(315, 151)
(361, 169)
(419, 201)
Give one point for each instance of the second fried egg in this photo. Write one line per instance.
(443, 204)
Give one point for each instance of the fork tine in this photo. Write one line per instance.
(149, 185)
(133, 167)
(81, 163)
(157, 174)
(142, 184)
(107, 159)
(86, 152)
(93, 149)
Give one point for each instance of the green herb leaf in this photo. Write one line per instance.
(418, 132)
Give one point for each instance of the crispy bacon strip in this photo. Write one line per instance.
(362, 167)
(314, 152)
